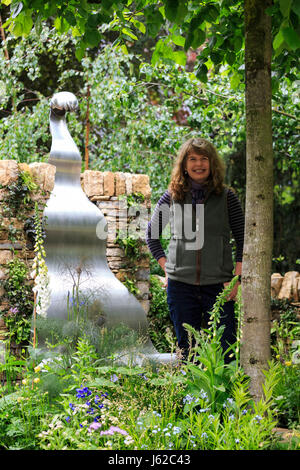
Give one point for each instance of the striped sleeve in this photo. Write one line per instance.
(158, 222)
(236, 222)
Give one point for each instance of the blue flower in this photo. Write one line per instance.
(72, 406)
(83, 392)
(114, 378)
(67, 418)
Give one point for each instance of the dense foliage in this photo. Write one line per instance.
(140, 113)
(79, 394)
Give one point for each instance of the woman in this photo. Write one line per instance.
(198, 267)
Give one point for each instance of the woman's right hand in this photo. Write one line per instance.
(162, 263)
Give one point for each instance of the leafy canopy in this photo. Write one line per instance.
(185, 24)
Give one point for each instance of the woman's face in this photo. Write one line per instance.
(197, 167)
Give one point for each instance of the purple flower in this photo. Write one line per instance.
(67, 418)
(83, 392)
(14, 310)
(72, 406)
(143, 376)
(114, 378)
(94, 426)
(112, 430)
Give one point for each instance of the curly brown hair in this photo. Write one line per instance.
(180, 184)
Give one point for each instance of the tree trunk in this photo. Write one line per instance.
(257, 259)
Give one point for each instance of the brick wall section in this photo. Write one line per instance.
(103, 189)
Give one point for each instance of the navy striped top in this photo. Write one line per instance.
(236, 222)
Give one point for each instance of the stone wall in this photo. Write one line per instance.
(102, 188)
(286, 287)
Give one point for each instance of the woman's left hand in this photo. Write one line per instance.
(233, 293)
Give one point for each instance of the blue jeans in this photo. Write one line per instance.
(191, 304)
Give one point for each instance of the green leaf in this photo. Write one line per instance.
(221, 388)
(180, 57)
(198, 38)
(182, 11)
(140, 26)
(238, 43)
(6, 2)
(171, 7)
(80, 50)
(216, 57)
(178, 40)
(92, 37)
(189, 39)
(27, 24)
(17, 29)
(285, 7)
(230, 57)
(235, 80)
(278, 40)
(296, 7)
(70, 17)
(101, 382)
(213, 13)
(162, 51)
(201, 73)
(291, 37)
(129, 371)
(61, 25)
(129, 33)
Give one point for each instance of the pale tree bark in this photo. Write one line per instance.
(256, 278)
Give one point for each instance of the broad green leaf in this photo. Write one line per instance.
(171, 7)
(6, 2)
(230, 57)
(80, 50)
(216, 57)
(285, 7)
(17, 29)
(189, 39)
(235, 80)
(129, 33)
(221, 388)
(291, 37)
(178, 40)
(129, 371)
(238, 43)
(27, 24)
(180, 57)
(124, 49)
(61, 25)
(182, 11)
(70, 17)
(213, 12)
(198, 38)
(201, 73)
(101, 382)
(278, 40)
(296, 7)
(140, 26)
(92, 37)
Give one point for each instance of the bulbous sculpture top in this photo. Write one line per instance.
(65, 101)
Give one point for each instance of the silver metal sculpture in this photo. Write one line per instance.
(75, 255)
